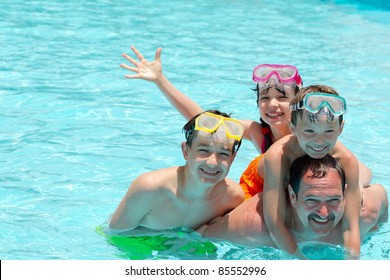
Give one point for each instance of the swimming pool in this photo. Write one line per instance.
(75, 133)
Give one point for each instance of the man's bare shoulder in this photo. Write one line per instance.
(375, 200)
(374, 208)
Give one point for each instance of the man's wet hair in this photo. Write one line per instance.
(319, 168)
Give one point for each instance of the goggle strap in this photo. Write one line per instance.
(297, 106)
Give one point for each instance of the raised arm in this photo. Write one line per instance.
(152, 71)
(274, 205)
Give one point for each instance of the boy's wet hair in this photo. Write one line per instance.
(190, 133)
(266, 129)
(319, 167)
(301, 95)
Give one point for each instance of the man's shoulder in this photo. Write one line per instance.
(374, 207)
(375, 197)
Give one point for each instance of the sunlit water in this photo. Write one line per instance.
(75, 133)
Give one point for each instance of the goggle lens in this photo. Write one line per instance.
(315, 101)
(207, 122)
(234, 128)
(210, 122)
(283, 73)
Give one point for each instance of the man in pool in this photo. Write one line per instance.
(193, 194)
(315, 211)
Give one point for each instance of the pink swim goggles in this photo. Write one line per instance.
(285, 74)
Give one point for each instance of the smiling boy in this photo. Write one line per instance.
(193, 194)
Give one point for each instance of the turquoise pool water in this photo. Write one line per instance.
(75, 133)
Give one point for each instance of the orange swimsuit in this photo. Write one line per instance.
(250, 181)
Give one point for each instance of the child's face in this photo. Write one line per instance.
(210, 155)
(317, 133)
(274, 104)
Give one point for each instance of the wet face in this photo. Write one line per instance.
(319, 205)
(274, 104)
(317, 134)
(210, 156)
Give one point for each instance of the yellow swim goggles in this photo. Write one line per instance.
(210, 122)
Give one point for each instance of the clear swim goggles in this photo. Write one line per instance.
(285, 74)
(210, 122)
(315, 101)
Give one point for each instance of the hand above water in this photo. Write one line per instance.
(152, 71)
(144, 69)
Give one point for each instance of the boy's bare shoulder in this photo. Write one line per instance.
(156, 179)
(285, 147)
(233, 186)
(231, 191)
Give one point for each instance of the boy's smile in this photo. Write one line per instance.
(211, 155)
(317, 134)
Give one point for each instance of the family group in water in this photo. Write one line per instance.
(304, 186)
